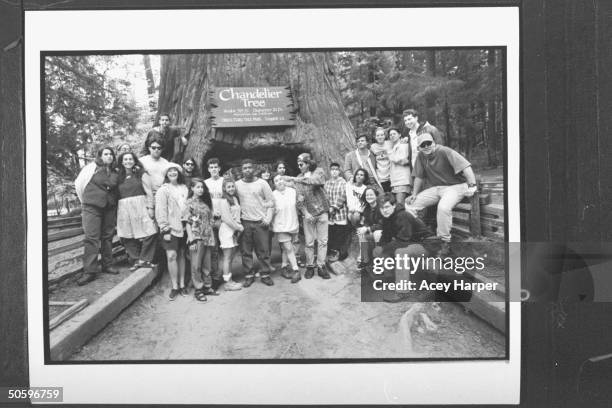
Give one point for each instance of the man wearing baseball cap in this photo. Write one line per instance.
(449, 177)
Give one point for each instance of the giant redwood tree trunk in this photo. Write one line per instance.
(322, 127)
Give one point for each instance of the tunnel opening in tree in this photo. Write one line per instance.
(321, 124)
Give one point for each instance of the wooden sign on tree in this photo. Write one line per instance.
(252, 106)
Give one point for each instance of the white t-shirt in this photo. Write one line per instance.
(215, 188)
(285, 213)
(353, 197)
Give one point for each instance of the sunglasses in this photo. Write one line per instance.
(189, 164)
(425, 144)
(156, 147)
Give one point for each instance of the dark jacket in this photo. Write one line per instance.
(403, 226)
(372, 218)
(101, 191)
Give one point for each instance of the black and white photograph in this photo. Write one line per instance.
(275, 172)
(276, 205)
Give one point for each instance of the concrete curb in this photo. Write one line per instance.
(74, 333)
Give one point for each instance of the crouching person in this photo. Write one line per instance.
(402, 234)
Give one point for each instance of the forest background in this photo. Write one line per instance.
(96, 100)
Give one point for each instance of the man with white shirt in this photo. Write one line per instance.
(154, 166)
(215, 187)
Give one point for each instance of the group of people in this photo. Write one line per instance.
(377, 192)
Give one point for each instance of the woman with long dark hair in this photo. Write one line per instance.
(96, 187)
(135, 227)
(200, 237)
(371, 227)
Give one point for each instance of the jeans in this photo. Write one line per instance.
(141, 249)
(215, 271)
(255, 236)
(200, 265)
(99, 228)
(316, 229)
(339, 237)
(447, 198)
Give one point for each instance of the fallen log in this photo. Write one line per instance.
(68, 313)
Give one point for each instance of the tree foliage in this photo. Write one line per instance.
(85, 108)
(459, 91)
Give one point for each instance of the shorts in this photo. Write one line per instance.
(401, 189)
(174, 244)
(227, 237)
(386, 186)
(285, 237)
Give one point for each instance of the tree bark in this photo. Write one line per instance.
(492, 114)
(431, 62)
(149, 75)
(322, 126)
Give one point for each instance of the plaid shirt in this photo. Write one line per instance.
(336, 193)
(311, 193)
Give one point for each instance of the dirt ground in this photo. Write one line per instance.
(315, 319)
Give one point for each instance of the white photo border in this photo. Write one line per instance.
(439, 382)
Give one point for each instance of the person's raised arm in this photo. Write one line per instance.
(317, 178)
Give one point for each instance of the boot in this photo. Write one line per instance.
(86, 278)
(297, 276)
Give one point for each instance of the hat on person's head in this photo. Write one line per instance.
(172, 165)
(424, 137)
(304, 157)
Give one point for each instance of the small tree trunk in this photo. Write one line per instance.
(431, 62)
(149, 75)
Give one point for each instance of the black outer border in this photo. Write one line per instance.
(358, 360)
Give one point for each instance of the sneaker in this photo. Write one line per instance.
(147, 264)
(210, 292)
(323, 272)
(309, 272)
(285, 273)
(173, 294)
(297, 276)
(231, 285)
(266, 280)
(137, 265)
(184, 291)
(248, 281)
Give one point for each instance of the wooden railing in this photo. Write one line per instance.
(65, 247)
